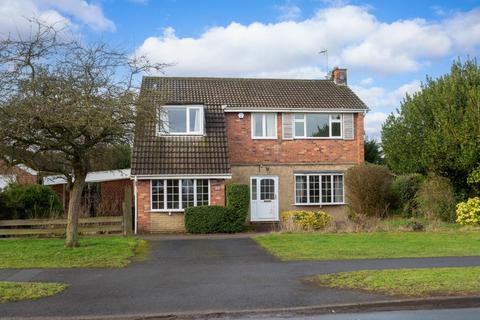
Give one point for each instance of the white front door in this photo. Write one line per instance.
(264, 198)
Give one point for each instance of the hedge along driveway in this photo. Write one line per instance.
(323, 246)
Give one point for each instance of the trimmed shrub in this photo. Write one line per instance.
(305, 220)
(238, 199)
(368, 189)
(30, 202)
(403, 191)
(205, 219)
(468, 212)
(436, 199)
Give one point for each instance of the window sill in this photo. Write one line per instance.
(160, 134)
(266, 138)
(317, 138)
(320, 204)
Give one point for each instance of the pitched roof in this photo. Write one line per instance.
(256, 93)
(208, 154)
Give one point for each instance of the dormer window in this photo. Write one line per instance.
(182, 120)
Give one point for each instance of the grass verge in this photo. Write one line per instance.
(408, 282)
(15, 291)
(94, 252)
(324, 246)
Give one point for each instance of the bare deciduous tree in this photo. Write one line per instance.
(62, 101)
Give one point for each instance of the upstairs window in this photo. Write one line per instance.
(181, 120)
(264, 125)
(317, 125)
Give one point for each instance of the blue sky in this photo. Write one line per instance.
(388, 46)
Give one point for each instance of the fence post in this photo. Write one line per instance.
(127, 211)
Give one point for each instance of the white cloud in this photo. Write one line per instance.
(14, 14)
(464, 29)
(382, 102)
(379, 98)
(288, 11)
(398, 46)
(366, 81)
(354, 37)
(373, 124)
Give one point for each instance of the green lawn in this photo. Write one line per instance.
(408, 282)
(14, 291)
(105, 252)
(323, 246)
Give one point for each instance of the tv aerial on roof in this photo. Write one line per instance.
(325, 53)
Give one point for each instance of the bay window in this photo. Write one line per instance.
(264, 125)
(317, 125)
(181, 120)
(319, 189)
(176, 195)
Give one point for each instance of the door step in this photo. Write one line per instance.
(270, 226)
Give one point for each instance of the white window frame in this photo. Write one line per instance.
(264, 126)
(180, 205)
(330, 121)
(163, 117)
(320, 203)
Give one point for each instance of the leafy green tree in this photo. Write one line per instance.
(63, 101)
(437, 129)
(373, 151)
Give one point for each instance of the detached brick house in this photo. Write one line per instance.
(289, 140)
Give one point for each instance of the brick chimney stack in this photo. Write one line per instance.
(339, 76)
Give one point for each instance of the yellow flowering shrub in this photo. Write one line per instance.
(468, 212)
(305, 220)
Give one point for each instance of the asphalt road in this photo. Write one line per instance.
(447, 314)
(199, 275)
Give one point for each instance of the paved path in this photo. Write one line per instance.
(199, 275)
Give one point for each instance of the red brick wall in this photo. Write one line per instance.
(217, 197)
(143, 205)
(245, 150)
(217, 192)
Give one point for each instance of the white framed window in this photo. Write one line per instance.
(319, 189)
(264, 125)
(317, 125)
(170, 195)
(181, 120)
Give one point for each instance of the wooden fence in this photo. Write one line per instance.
(57, 227)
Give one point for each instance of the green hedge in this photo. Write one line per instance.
(206, 219)
(211, 219)
(238, 198)
(29, 201)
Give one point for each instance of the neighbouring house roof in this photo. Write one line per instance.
(6, 180)
(95, 176)
(16, 174)
(155, 154)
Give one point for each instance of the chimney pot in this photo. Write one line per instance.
(339, 76)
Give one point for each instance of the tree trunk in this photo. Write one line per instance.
(74, 211)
